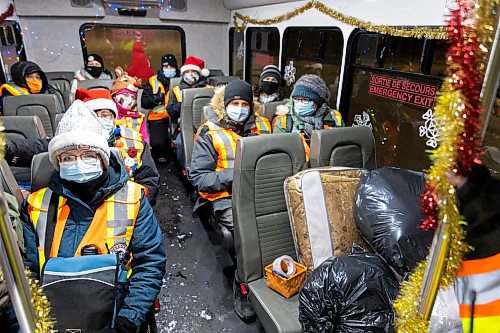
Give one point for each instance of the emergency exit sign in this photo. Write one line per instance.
(405, 91)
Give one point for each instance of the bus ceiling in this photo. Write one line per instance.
(239, 4)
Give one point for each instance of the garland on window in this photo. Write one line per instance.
(417, 32)
(8, 12)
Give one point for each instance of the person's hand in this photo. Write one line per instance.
(159, 98)
(455, 180)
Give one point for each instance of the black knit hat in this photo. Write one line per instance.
(169, 60)
(94, 57)
(238, 89)
(271, 70)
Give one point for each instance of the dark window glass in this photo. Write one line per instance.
(136, 49)
(314, 51)
(492, 140)
(237, 52)
(11, 50)
(438, 67)
(263, 48)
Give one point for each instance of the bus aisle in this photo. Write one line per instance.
(196, 294)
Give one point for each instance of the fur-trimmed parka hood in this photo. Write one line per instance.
(217, 104)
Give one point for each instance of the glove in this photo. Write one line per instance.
(159, 98)
(122, 325)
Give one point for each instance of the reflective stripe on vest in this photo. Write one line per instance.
(13, 90)
(482, 277)
(262, 126)
(158, 112)
(337, 116)
(131, 122)
(282, 122)
(131, 148)
(119, 210)
(177, 93)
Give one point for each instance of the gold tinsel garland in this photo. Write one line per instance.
(417, 32)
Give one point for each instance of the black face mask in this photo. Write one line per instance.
(269, 87)
(94, 71)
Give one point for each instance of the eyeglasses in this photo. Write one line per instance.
(105, 114)
(301, 100)
(87, 157)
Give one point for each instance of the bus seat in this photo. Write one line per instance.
(217, 81)
(58, 119)
(411, 148)
(269, 109)
(9, 182)
(64, 87)
(95, 84)
(60, 76)
(139, 104)
(262, 230)
(45, 106)
(193, 101)
(23, 127)
(343, 146)
(216, 72)
(174, 82)
(41, 171)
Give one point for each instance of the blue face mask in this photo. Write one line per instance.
(237, 113)
(169, 73)
(79, 171)
(304, 109)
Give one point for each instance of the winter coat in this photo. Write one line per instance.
(150, 99)
(174, 106)
(202, 172)
(19, 70)
(148, 263)
(105, 75)
(20, 152)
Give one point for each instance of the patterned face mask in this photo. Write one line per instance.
(191, 78)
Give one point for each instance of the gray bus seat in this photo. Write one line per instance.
(64, 87)
(45, 106)
(139, 103)
(269, 109)
(58, 119)
(23, 127)
(216, 72)
(174, 82)
(96, 84)
(60, 76)
(9, 182)
(217, 81)
(41, 171)
(262, 229)
(343, 146)
(193, 101)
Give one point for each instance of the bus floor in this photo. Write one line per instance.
(196, 293)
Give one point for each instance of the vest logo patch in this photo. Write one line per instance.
(119, 249)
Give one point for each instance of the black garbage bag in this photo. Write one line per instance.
(387, 213)
(351, 293)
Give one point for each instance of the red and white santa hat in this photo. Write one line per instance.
(97, 99)
(193, 63)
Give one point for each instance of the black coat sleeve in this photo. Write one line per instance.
(203, 163)
(20, 152)
(174, 107)
(148, 175)
(149, 99)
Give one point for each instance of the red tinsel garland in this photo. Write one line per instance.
(467, 77)
(8, 13)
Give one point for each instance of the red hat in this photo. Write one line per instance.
(193, 63)
(97, 99)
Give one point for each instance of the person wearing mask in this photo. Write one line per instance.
(270, 88)
(28, 78)
(124, 94)
(307, 110)
(93, 191)
(213, 157)
(193, 75)
(93, 70)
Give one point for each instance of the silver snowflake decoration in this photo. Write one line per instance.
(362, 119)
(430, 129)
(241, 51)
(290, 72)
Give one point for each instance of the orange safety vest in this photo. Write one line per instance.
(262, 125)
(119, 211)
(481, 276)
(131, 148)
(131, 122)
(13, 90)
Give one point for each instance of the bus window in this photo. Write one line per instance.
(236, 53)
(492, 140)
(136, 49)
(314, 51)
(386, 89)
(11, 48)
(263, 48)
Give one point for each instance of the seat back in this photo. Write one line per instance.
(216, 72)
(193, 101)
(262, 229)
(174, 82)
(217, 81)
(45, 106)
(58, 119)
(9, 183)
(269, 109)
(23, 127)
(60, 76)
(343, 146)
(41, 171)
(95, 84)
(65, 88)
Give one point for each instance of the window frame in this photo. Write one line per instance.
(87, 26)
(231, 32)
(248, 44)
(19, 42)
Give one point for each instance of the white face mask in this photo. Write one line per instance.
(237, 113)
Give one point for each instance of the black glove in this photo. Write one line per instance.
(122, 325)
(159, 98)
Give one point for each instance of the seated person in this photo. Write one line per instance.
(93, 70)
(27, 78)
(86, 180)
(307, 111)
(270, 87)
(213, 159)
(124, 94)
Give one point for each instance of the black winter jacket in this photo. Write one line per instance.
(174, 106)
(20, 152)
(149, 99)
